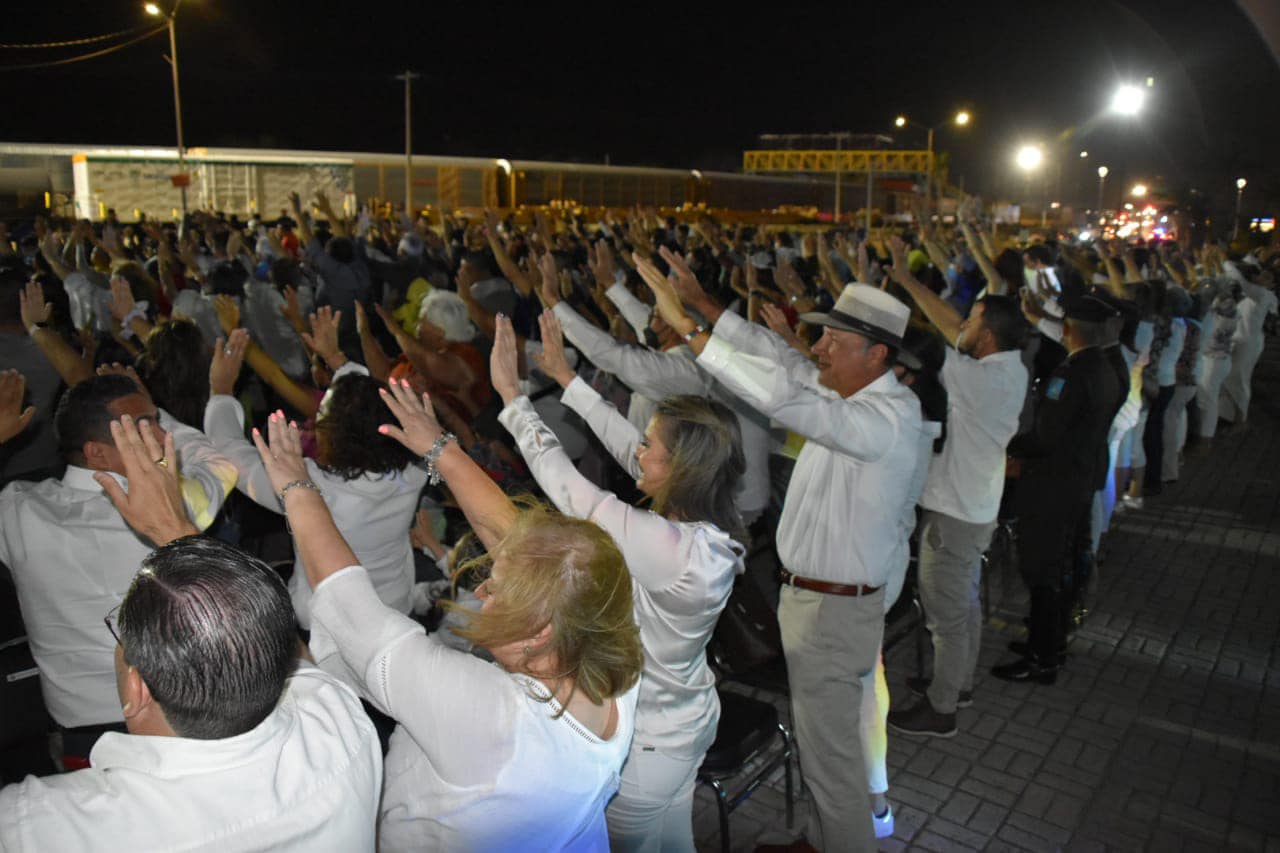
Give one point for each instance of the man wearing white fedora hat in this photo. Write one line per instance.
(840, 534)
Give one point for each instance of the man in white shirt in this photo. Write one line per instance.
(232, 744)
(73, 557)
(840, 534)
(986, 385)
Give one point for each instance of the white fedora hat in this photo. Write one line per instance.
(868, 311)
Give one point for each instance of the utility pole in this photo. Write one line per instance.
(408, 77)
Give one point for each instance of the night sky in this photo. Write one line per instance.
(684, 85)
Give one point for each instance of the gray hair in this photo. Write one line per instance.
(445, 309)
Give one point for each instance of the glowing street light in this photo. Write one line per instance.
(1102, 183)
(962, 118)
(1128, 100)
(900, 121)
(1029, 158)
(1138, 191)
(1241, 183)
(1084, 155)
(152, 9)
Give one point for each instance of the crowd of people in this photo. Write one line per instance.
(482, 633)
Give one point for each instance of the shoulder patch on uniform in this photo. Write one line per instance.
(1054, 390)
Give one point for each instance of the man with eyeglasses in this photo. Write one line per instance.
(231, 740)
(72, 556)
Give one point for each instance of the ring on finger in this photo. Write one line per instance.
(162, 462)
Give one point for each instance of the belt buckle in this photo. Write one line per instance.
(788, 578)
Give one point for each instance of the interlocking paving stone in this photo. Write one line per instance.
(1163, 730)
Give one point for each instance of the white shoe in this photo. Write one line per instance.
(884, 823)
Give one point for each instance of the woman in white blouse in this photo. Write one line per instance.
(487, 758)
(683, 557)
(368, 480)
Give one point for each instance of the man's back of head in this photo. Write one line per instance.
(212, 634)
(83, 413)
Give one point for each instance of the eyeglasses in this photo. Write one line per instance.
(111, 620)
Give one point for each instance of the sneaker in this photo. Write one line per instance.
(919, 685)
(921, 719)
(883, 823)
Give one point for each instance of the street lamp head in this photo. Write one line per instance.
(1102, 171)
(152, 9)
(1127, 100)
(900, 121)
(1084, 155)
(1241, 183)
(963, 118)
(1029, 158)
(1139, 190)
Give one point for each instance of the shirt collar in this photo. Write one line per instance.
(1003, 355)
(179, 756)
(82, 479)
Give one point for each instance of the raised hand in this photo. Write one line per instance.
(789, 280)
(13, 418)
(504, 360)
(898, 251)
(552, 360)
(292, 308)
(665, 297)
(228, 312)
(121, 298)
(550, 290)
(31, 305)
(153, 505)
(682, 279)
(228, 358)
(323, 337)
(776, 319)
(600, 261)
(115, 368)
(282, 458)
(417, 427)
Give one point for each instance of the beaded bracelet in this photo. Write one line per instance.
(304, 484)
(432, 456)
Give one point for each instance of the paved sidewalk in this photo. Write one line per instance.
(1163, 731)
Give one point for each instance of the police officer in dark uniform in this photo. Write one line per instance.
(1062, 457)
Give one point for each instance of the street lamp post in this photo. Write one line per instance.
(1102, 184)
(1241, 183)
(155, 11)
(408, 77)
(960, 119)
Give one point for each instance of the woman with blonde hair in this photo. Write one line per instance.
(683, 553)
(484, 757)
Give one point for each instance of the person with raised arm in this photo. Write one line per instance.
(485, 757)
(683, 555)
(231, 741)
(841, 534)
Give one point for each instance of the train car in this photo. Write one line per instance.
(86, 181)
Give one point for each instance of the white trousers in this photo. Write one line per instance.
(653, 810)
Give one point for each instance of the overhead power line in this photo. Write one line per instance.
(71, 42)
(93, 55)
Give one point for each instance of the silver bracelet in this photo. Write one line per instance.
(304, 484)
(432, 456)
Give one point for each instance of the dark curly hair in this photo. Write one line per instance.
(347, 431)
(175, 368)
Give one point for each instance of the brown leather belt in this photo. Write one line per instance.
(825, 586)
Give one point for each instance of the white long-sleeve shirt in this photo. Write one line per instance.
(657, 375)
(479, 761)
(374, 512)
(682, 572)
(305, 778)
(984, 399)
(73, 558)
(842, 517)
